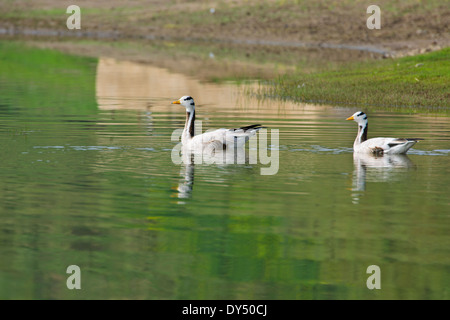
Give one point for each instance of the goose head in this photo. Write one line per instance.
(187, 102)
(359, 117)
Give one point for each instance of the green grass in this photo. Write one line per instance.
(410, 84)
(229, 62)
(417, 82)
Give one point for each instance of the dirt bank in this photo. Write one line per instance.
(407, 28)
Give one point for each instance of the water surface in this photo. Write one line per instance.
(87, 179)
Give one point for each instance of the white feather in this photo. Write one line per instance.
(377, 145)
(215, 140)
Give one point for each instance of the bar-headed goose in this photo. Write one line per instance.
(217, 139)
(377, 146)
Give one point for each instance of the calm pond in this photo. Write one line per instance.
(87, 179)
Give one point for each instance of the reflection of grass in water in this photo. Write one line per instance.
(37, 78)
(410, 83)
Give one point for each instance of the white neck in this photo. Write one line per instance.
(188, 132)
(362, 133)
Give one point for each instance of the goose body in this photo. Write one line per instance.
(220, 139)
(378, 146)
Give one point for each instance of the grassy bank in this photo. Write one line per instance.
(411, 82)
(416, 83)
(209, 61)
(311, 74)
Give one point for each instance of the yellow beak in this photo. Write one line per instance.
(176, 102)
(351, 118)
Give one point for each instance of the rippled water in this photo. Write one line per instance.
(87, 179)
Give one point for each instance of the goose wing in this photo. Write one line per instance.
(398, 141)
(228, 137)
(387, 145)
(241, 135)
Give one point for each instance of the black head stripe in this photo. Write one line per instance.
(360, 114)
(192, 103)
(188, 98)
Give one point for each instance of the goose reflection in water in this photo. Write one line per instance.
(204, 158)
(372, 168)
(186, 183)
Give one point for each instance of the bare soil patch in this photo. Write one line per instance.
(408, 27)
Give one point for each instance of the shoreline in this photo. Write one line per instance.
(407, 28)
(306, 51)
(104, 35)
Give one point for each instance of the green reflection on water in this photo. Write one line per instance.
(33, 78)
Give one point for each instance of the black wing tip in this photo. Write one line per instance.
(253, 126)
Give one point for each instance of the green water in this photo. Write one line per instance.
(95, 187)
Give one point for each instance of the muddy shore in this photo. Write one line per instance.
(408, 28)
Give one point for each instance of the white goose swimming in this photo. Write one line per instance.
(377, 146)
(220, 139)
